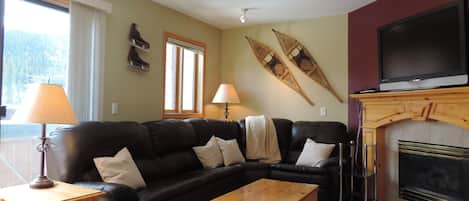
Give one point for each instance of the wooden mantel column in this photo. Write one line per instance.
(450, 105)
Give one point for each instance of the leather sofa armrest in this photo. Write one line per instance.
(114, 192)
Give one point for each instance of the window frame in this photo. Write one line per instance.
(62, 5)
(179, 112)
(14, 135)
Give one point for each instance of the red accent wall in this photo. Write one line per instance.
(363, 46)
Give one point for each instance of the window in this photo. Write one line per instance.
(35, 50)
(184, 62)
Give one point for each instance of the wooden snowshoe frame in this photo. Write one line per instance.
(275, 66)
(300, 56)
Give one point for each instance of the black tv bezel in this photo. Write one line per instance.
(460, 4)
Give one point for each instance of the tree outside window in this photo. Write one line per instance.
(36, 48)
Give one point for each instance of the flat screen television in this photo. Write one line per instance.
(427, 50)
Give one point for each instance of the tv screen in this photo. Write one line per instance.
(424, 46)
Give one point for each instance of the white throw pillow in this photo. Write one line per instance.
(209, 155)
(314, 152)
(120, 169)
(230, 151)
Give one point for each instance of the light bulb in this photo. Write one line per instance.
(242, 19)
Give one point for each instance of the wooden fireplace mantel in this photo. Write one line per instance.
(450, 105)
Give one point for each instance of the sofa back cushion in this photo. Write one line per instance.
(225, 129)
(202, 130)
(71, 157)
(320, 132)
(163, 167)
(206, 128)
(283, 128)
(172, 141)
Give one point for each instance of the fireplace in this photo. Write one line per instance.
(379, 110)
(433, 172)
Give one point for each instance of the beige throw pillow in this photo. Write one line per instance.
(230, 151)
(314, 152)
(120, 169)
(209, 155)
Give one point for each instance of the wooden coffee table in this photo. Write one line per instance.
(272, 190)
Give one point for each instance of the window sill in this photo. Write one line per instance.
(182, 115)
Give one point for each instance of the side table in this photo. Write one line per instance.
(60, 192)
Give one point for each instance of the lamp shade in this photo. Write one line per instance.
(46, 104)
(226, 93)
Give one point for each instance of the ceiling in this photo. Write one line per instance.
(225, 14)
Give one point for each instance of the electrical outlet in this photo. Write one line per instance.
(322, 111)
(114, 108)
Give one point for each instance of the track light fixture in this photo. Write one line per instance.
(243, 17)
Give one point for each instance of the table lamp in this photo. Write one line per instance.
(226, 94)
(45, 104)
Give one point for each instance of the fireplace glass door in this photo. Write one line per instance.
(433, 172)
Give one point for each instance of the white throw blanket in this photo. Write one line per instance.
(261, 140)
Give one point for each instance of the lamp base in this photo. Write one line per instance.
(41, 182)
(226, 112)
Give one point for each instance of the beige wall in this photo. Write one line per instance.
(261, 93)
(229, 59)
(140, 94)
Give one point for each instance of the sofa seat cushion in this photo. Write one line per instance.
(165, 189)
(321, 180)
(221, 172)
(173, 186)
(247, 166)
(114, 192)
(299, 169)
(303, 174)
(254, 171)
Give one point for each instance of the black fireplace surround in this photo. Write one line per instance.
(433, 172)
